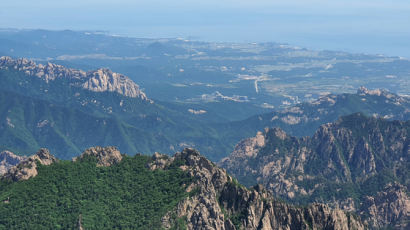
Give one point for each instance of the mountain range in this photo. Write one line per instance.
(296, 146)
(67, 110)
(103, 188)
(57, 107)
(358, 163)
(303, 119)
(101, 80)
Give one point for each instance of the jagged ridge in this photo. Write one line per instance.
(216, 200)
(100, 80)
(340, 164)
(221, 203)
(105, 156)
(27, 168)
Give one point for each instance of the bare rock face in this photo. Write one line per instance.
(159, 161)
(352, 151)
(104, 80)
(101, 80)
(264, 212)
(249, 147)
(8, 160)
(27, 168)
(106, 156)
(48, 72)
(392, 205)
(375, 92)
(201, 210)
(217, 201)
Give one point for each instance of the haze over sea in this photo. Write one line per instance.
(369, 26)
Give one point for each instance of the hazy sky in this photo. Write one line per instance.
(373, 26)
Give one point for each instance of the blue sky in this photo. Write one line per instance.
(378, 26)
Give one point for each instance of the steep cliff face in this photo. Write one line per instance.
(340, 164)
(27, 168)
(8, 160)
(391, 205)
(101, 80)
(217, 201)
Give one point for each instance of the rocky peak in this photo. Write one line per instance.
(8, 61)
(276, 132)
(44, 157)
(219, 202)
(365, 91)
(8, 160)
(106, 156)
(101, 80)
(354, 150)
(249, 147)
(27, 168)
(385, 94)
(194, 159)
